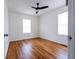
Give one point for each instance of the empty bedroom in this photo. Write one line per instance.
(36, 29)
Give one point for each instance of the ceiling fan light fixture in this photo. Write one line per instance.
(36, 12)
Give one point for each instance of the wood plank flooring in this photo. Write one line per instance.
(36, 48)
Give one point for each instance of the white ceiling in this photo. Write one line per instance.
(24, 6)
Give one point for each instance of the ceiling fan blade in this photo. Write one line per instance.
(43, 7)
(66, 2)
(34, 7)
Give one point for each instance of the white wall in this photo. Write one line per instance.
(15, 26)
(49, 25)
(44, 26)
(6, 39)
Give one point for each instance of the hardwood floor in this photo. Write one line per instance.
(36, 48)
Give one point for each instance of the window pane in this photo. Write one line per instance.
(26, 26)
(63, 18)
(63, 23)
(63, 29)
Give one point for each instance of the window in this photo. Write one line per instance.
(63, 23)
(26, 26)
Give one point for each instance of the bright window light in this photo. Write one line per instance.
(63, 23)
(26, 26)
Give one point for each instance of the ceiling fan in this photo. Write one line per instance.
(39, 8)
